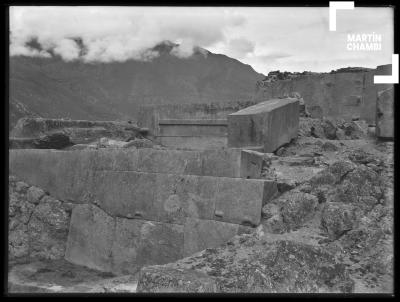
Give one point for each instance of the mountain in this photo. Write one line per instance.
(51, 87)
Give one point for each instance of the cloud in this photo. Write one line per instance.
(115, 33)
(267, 38)
(240, 47)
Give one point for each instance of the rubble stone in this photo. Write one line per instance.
(251, 266)
(34, 194)
(338, 218)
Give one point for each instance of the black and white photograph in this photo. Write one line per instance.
(197, 150)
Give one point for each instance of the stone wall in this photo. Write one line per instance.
(193, 134)
(189, 126)
(124, 219)
(79, 131)
(38, 223)
(339, 95)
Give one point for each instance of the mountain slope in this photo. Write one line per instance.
(50, 87)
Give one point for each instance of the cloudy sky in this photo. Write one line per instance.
(267, 38)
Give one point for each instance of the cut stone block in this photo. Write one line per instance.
(251, 164)
(90, 238)
(63, 174)
(239, 201)
(124, 193)
(115, 159)
(169, 161)
(224, 162)
(181, 196)
(269, 124)
(201, 234)
(140, 242)
(385, 114)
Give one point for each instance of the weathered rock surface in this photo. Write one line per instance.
(60, 276)
(248, 265)
(289, 211)
(333, 129)
(338, 218)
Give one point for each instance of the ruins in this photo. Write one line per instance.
(216, 191)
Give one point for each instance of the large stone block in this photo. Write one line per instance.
(140, 242)
(269, 124)
(90, 238)
(385, 113)
(63, 174)
(179, 196)
(115, 159)
(239, 201)
(224, 162)
(124, 193)
(251, 164)
(169, 161)
(201, 234)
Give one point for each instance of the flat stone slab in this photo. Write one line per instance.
(90, 238)
(385, 114)
(269, 124)
(139, 242)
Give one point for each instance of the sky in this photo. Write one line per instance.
(267, 38)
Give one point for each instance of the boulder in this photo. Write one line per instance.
(329, 146)
(53, 141)
(338, 218)
(34, 194)
(289, 211)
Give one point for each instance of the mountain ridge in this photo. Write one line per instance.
(53, 88)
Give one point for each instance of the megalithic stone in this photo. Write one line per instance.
(385, 113)
(269, 124)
